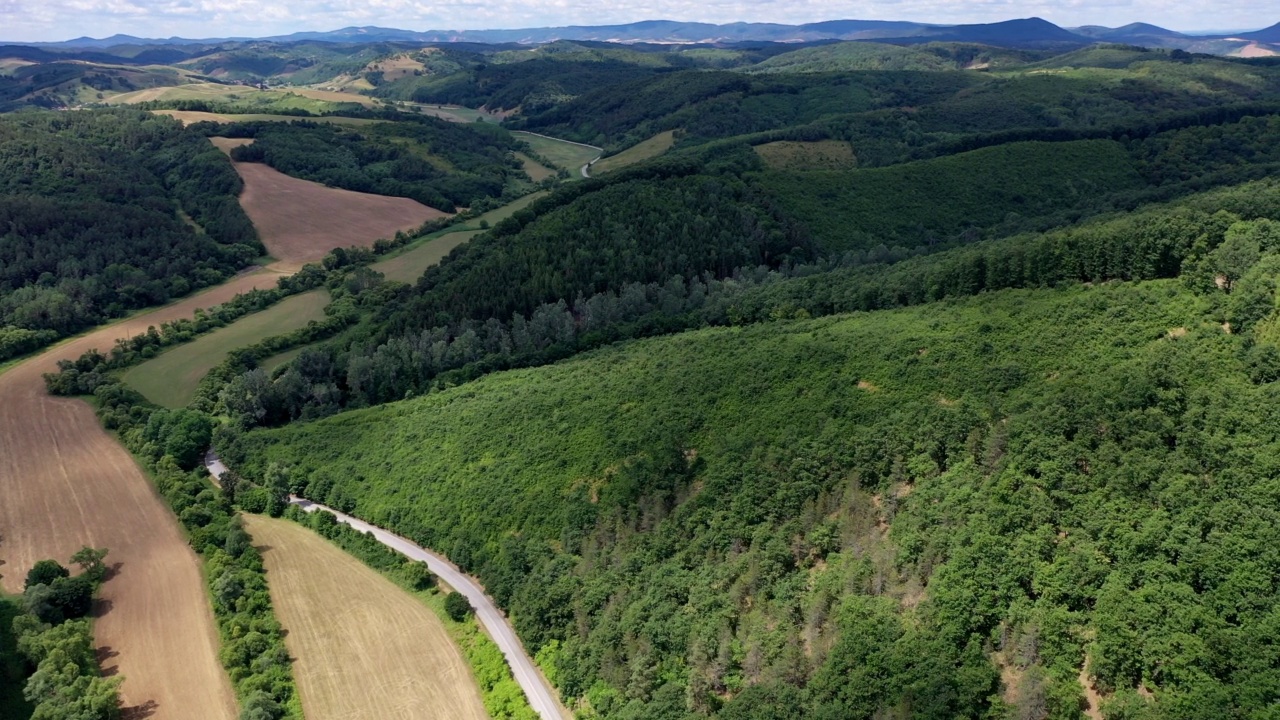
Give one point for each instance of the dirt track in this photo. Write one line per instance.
(65, 483)
(365, 649)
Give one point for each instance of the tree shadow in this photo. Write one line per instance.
(101, 606)
(138, 712)
(112, 571)
(103, 654)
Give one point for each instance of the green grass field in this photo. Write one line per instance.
(651, 148)
(567, 155)
(506, 211)
(316, 101)
(409, 266)
(276, 361)
(170, 379)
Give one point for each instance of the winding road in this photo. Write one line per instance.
(542, 697)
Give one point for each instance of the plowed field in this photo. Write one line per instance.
(65, 483)
(300, 220)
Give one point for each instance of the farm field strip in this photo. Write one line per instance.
(300, 221)
(67, 483)
(649, 149)
(566, 154)
(408, 266)
(541, 696)
(170, 379)
(364, 648)
(534, 169)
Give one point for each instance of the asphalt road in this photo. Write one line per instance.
(542, 697)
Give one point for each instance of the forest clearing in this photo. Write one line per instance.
(364, 647)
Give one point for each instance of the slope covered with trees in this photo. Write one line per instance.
(440, 164)
(834, 517)
(103, 212)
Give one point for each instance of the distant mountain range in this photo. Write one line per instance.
(1022, 33)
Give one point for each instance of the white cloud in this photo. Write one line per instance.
(33, 20)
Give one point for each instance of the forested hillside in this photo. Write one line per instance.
(904, 108)
(837, 517)
(1019, 186)
(940, 511)
(437, 163)
(107, 211)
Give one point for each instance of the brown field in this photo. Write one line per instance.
(67, 483)
(226, 145)
(820, 155)
(301, 221)
(398, 67)
(1254, 50)
(364, 647)
(536, 170)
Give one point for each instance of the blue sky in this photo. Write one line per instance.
(37, 20)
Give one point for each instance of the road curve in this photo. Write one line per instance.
(542, 697)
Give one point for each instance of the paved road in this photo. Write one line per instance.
(541, 696)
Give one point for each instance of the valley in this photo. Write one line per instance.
(669, 371)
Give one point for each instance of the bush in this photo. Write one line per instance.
(458, 607)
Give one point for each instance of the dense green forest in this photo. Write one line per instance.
(892, 109)
(437, 163)
(1019, 186)
(103, 212)
(765, 507)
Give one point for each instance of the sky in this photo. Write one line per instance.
(51, 20)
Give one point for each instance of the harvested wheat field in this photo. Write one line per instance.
(66, 483)
(365, 648)
(301, 221)
(226, 145)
